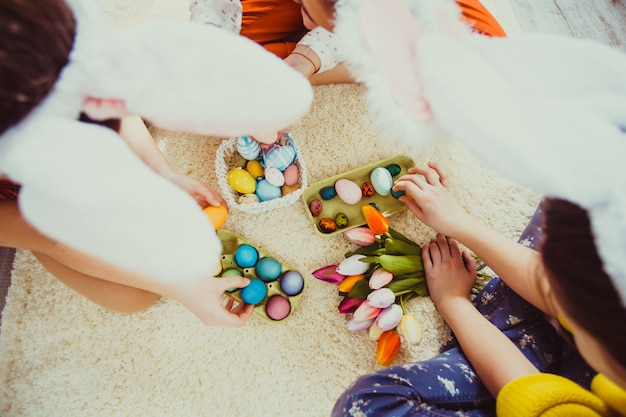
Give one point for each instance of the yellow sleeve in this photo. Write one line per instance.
(610, 393)
(548, 395)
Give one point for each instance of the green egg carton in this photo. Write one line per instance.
(388, 204)
(230, 242)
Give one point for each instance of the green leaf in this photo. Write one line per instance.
(404, 284)
(360, 290)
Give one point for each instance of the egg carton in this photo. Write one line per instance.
(276, 288)
(227, 158)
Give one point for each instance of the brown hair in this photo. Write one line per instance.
(576, 271)
(36, 38)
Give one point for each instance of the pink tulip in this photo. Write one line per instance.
(349, 305)
(353, 265)
(381, 298)
(329, 274)
(365, 312)
(389, 317)
(380, 278)
(362, 236)
(356, 326)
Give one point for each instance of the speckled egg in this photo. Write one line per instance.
(328, 193)
(255, 169)
(268, 269)
(291, 283)
(341, 220)
(254, 292)
(241, 180)
(315, 207)
(274, 176)
(292, 174)
(348, 191)
(246, 256)
(266, 191)
(381, 180)
(327, 225)
(248, 199)
(367, 189)
(280, 157)
(248, 147)
(394, 169)
(277, 307)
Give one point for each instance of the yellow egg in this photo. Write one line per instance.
(241, 181)
(255, 169)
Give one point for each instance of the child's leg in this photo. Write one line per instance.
(445, 385)
(82, 273)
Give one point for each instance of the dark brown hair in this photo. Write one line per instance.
(36, 38)
(580, 282)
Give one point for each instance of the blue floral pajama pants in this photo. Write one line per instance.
(447, 385)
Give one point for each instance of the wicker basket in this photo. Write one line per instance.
(227, 158)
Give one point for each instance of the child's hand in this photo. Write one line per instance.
(202, 193)
(429, 199)
(205, 300)
(450, 273)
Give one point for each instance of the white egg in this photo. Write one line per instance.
(381, 180)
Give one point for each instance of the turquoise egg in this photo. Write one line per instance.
(268, 269)
(246, 256)
(394, 169)
(281, 157)
(255, 292)
(266, 191)
(292, 283)
(381, 180)
(328, 193)
(397, 194)
(248, 147)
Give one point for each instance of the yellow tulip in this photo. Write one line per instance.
(348, 283)
(409, 328)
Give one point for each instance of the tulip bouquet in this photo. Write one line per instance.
(376, 280)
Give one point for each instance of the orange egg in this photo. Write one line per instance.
(217, 215)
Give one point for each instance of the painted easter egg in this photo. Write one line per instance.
(397, 194)
(255, 169)
(274, 176)
(348, 191)
(248, 147)
(241, 180)
(266, 191)
(328, 193)
(367, 189)
(394, 169)
(254, 292)
(327, 225)
(280, 157)
(288, 189)
(292, 174)
(277, 307)
(381, 180)
(248, 199)
(315, 207)
(268, 269)
(341, 220)
(246, 256)
(232, 273)
(292, 283)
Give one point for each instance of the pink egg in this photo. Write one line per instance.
(277, 307)
(348, 191)
(292, 174)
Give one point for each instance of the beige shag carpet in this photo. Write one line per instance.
(61, 355)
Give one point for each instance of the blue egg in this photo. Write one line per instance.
(248, 147)
(255, 292)
(328, 193)
(246, 256)
(291, 283)
(397, 194)
(266, 191)
(381, 180)
(281, 157)
(268, 269)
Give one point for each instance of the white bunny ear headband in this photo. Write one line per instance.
(547, 111)
(83, 186)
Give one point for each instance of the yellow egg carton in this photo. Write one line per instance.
(388, 204)
(283, 292)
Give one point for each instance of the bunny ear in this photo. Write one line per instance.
(83, 186)
(190, 77)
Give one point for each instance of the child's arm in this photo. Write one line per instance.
(519, 266)
(450, 276)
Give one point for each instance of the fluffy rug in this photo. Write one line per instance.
(61, 355)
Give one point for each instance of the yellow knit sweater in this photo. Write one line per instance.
(548, 395)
